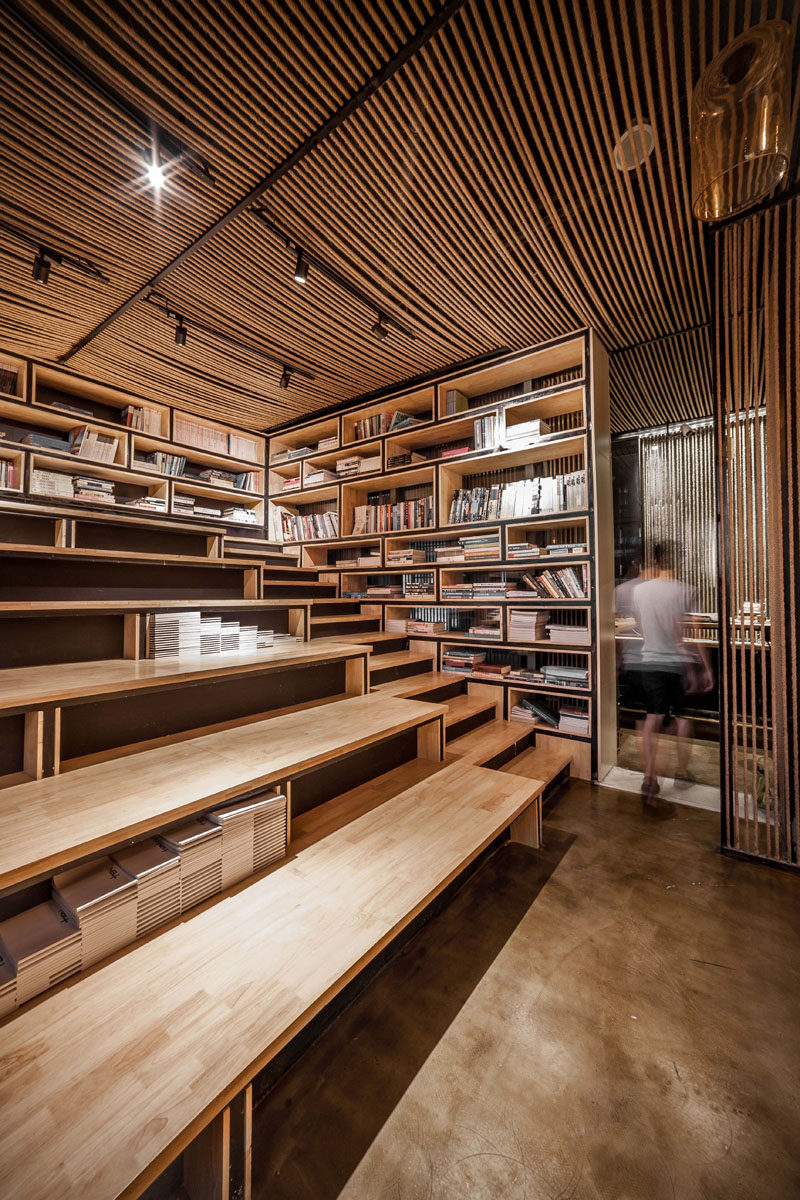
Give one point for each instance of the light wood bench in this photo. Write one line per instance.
(52, 823)
(43, 693)
(98, 1107)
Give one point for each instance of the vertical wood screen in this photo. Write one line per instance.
(757, 346)
(679, 505)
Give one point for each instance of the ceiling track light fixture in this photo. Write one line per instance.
(301, 268)
(305, 260)
(171, 150)
(183, 324)
(46, 256)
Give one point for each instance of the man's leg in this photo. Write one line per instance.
(652, 728)
(684, 745)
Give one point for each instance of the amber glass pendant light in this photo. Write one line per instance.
(741, 122)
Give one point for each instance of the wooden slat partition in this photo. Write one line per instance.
(758, 372)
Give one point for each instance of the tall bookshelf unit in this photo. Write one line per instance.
(474, 429)
(134, 456)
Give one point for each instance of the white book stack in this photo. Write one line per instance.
(174, 634)
(527, 624)
(43, 946)
(52, 483)
(373, 463)
(8, 988)
(572, 721)
(253, 835)
(262, 639)
(230, 640)
(211, 635)
(281, 639)
(328, 443)
(101, 897)
(199, 844)
(157, 871)
(570, 635)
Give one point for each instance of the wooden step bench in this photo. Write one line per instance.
(46, 693)
(398, 661)
(51, 823)
(467, 710)
(418, 685)
(489, 742)
(208, 1003)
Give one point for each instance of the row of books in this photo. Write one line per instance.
(298, 527)
(243, 481)
(381, 518)
(8, 473)
(197, 506)
(472, 548)
(567, 583)
(553, 550)
(214, 441)
(479, 589)
(9, 380)
(161, 462)
(106, 904)
(190, 634)
(385, 422)
(521, 498)
(147, 420)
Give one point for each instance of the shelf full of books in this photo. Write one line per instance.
(74, 441)
(486, 506)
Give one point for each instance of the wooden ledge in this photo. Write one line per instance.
(21, 550)
(121, 516)
(208, 1003)
(49, 823)
(35, 608)
(27, 688)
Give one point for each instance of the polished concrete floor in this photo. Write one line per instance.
(616, 1017)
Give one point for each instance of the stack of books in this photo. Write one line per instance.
(404, 557)
(562, 676)
(237, 515)
(46, 441)
(563, 549)
(52, 483)
(88, 443)
(199, 844)
(528, 431)
(385, 591)
(487, 625)
(570, 635)
(423, 627)
(42, 946)
(524, 550)
(319, 475)
(461, 661)
(407, 459)
(99, 491)
(396, 625)
(491, 670)
(327, 443)
(489, 588)
(527, 625)
(292, 484)
(419, 585)
(240, 446)
(573, 720)
(175, 634)
(8, 988)
(148, 420)
(531, 708)
(147, 503)
(157, 872)
(183, 505)
(479, 546)
(456, 591)
(253, 835)
(100, 897)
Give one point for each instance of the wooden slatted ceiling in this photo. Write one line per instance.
(474, 196)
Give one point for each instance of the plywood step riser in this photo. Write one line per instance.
(297, 591)
(332, 627)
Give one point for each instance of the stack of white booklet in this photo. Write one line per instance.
(158, 873)
(101, 898)
(253, 835)
(175, 633)
(199, 844)
(8, 987)
(43, 946)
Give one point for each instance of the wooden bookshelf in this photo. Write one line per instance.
(159, 461)
(562, 383)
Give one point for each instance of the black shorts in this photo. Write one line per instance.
(663, 692)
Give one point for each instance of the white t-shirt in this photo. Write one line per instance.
(661, 607)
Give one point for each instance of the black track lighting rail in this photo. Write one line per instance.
(170, 148)
(307, 258)
(47, 255)
(184, 324)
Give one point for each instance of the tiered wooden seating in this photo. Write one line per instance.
(208, 1003)
(54, 822)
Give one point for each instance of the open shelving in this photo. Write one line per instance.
(543, 417)
(138, 455)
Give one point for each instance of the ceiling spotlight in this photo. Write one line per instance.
(301, 270)
(380, 330)
(285, 378)
(41, 267)
(155, 173)
(181, 333)
(634, 147)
